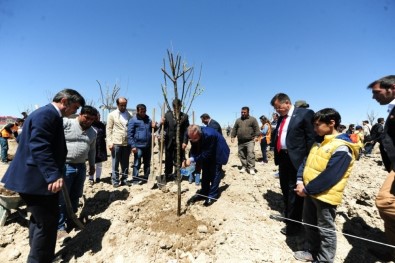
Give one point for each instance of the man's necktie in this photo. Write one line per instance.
(280, 131)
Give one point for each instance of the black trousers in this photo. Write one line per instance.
(171, 157)
(43, 225)
(293, 203)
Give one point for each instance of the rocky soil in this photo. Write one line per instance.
(139, 224)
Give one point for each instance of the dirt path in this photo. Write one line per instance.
(137, 224)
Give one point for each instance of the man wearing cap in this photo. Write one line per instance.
(301, 104)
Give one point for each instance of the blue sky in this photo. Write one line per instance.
(325, 52)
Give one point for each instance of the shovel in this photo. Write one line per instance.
(151, 177)
(161, 179)
(69, 208)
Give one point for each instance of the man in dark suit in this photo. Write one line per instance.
(209, 149)
(294, 137)
(170, 128)
(206, 119)
(383, 91)
(37, 170)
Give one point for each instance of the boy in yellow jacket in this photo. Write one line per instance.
(321, 181)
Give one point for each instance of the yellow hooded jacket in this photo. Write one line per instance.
(317, 161)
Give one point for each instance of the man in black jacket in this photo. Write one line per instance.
(384, 93)
(375, 136)
(170, 128)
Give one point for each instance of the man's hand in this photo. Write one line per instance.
(56, 186)
(184, 146)
(299, 190)
(187, 162)
(134, 150)
(110, 146)
(92, 169)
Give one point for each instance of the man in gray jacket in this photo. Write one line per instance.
(246, 129)
(81, 146)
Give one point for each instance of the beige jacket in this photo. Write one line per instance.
(116, 130)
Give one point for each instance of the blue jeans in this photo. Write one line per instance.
(264, 149)
(120, 156)
(320, 242)
(4, 149)
(74, 179)
(145, 154)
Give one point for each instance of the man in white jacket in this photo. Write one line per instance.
(117, 123)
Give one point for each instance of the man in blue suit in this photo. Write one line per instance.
(206, 119)
(212, 152)
(37, 170)
(293, 139)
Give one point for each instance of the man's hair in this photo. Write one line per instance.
(380, 120)
(89, 110)
(71, 95)
(246, 108)
(327, 115)
(351, 126)
(385, 82)
(175, 102)
(117, 100)
(342, 127)
(281, 97)
(194, 129)
(367, 122)
(205, 116)
(18, 120)
(140, 106)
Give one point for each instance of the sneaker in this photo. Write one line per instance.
(252, 171)
(242, 170)
(91, 182)
(305, 256)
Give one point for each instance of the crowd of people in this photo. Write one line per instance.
(314, 153)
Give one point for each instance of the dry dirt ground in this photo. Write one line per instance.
(138, 224)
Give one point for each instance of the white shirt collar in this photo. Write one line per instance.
(391, 105)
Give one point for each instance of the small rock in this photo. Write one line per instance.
(202, 229)
(14, 255)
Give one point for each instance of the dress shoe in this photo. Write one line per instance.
(209, 202)
(126, 183)
(195, 198)
(289, 231)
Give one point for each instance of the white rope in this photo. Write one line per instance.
(291, 220)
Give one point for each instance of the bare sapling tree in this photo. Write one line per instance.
(185, 89)
(108, 99)
(371, 116)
